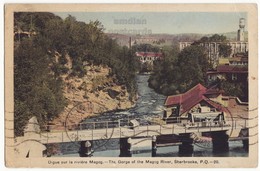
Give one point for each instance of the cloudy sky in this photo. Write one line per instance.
(164, 22)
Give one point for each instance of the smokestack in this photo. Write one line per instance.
(130, 42)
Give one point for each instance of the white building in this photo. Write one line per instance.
(212, 48)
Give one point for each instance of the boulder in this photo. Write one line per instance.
(100, 88)
(113, 93)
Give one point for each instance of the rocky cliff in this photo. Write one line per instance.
(96, 92)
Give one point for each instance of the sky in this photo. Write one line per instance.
(164, 22)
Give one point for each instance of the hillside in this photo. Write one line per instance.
(95, 93)
(60, 64)
(169, 39)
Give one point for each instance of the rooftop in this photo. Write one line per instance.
(232, 69)
(229, 69)
(239, 59)
(149, 54)
(192, 97)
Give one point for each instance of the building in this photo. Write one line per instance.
(200, 100)
(238, 59)
(231, 73)
(145, 39)
(195, 100)
(148, 56)
(212, 48)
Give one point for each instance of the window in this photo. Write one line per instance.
(234, 77)
(173, 110)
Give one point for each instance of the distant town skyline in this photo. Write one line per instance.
(163, 22)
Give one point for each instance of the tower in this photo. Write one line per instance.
(241, 31)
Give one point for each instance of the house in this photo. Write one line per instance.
(232, 73)
(237, 59)
(199, 99)
(148, 56)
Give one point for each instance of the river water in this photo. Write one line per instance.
(149, 104)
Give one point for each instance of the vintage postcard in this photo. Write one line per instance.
(131, 85)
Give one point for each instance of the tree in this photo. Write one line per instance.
(224, 50)
(236, 89)
(179, 74)
(193, 64)
(37, 92)
(145, 48)
(217, 38)
(38, 68)
(213, 38)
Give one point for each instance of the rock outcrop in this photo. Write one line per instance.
(95, 93)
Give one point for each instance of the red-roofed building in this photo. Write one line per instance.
(234, 73)
(148, 56)
(198, 99)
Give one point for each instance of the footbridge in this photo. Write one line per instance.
(129, 129)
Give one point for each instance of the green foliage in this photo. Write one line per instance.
(213, 38)
(225, 50)
(171, 51)
(234, 89)
(38, 86)
(36, 21)
(145, 48)
(217, 38)
(147, 67)
(160, 41)
(177, 74)
(63, 60)
(21, 116)
(59, 69)
(37, 92)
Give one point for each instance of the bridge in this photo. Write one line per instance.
(87, 132)
(113, 129)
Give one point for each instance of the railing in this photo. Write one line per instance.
(120, 128)
(126, 124)
(100, 124)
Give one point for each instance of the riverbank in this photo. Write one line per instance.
(95, 93)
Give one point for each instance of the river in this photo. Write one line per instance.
(149, 104)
